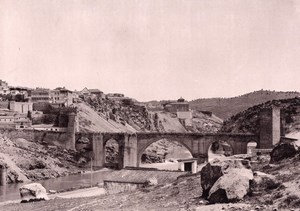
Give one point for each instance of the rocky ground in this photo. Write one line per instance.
(185, 194)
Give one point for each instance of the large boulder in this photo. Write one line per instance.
(226, 180)
(285, 150)
(231, 187)
(33, 192)
(216, 168)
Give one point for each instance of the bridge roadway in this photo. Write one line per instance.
(132, 145)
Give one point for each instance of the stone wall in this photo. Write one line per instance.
(113, 187)
(15, 134)
(49, 137)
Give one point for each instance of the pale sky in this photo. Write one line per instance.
(152, 49)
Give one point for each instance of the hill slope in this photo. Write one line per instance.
(112, 116)
(248, 120)
(226, 107)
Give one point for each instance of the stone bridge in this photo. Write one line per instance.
(132, 146)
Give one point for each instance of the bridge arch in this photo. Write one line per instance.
(143, 144)
(111, 151)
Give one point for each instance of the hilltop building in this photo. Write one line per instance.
(116, 96)
(4, 89)
(180, 106)
(92, 93)
(182, 110)
(62, 96)
(19, 93)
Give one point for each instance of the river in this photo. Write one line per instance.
(11, 191)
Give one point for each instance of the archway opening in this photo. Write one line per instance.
(219, 149)
(164, 154)
(251, 146)
(111, 153)
(84, 150)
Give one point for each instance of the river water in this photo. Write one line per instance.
(11, 191)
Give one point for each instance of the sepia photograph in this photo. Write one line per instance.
(139, 105)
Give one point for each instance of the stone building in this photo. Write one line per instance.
(62, 96)
(14, 121)
(96, 93)
(19, 93)
(91, 93)
(40, 95)
(20, 107)
(179, 106)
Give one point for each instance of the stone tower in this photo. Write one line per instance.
(271, 128)
(71, 129)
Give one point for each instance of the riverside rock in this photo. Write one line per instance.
(231, 187)
(216, 168)
(226, 179)
(33, 192)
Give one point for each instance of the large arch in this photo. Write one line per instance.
(142, 148)
(158, 157)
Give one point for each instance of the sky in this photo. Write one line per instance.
(152, 49)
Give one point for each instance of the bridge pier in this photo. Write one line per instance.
(71, 129)
(98, 150)
(128, 151)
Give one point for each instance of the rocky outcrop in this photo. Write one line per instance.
(33, 192)
(225, 180)
(285, 150)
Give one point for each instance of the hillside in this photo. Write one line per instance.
(248, 120)
(108, 115)
(91, 121)
(226, 107)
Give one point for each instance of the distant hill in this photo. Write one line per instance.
(226, 107)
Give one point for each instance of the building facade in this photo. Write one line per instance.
(62, 96)
(20, 107)
(40, 95)
(179, 106)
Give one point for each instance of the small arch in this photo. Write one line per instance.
(219, 149)
(111, 149)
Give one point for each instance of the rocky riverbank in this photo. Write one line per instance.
(29, 161)
(186, 192)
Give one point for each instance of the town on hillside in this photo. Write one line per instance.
(20, 105)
